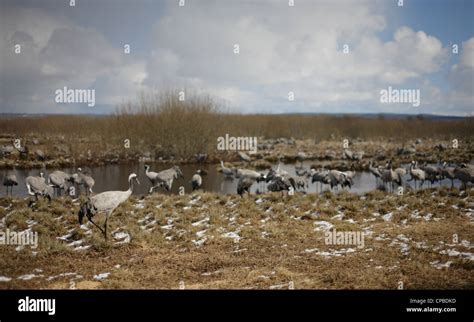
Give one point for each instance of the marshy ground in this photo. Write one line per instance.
(422, 239)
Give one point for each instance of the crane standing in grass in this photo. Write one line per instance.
(83, 179)
(59, 180)
(10, 181)
(448, 172)
(37, 187)
(106, 202)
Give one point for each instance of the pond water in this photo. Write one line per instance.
(114, 177)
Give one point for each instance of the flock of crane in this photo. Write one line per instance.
(388, 176)
(273, 180)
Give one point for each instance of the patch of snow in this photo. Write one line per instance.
(439, 265)
(122, 237)
(323, 225)
(199, 242)
(65, 237)
(233, 235)
(82, 248)
(102, 276)
(200, 222)
(27, 277)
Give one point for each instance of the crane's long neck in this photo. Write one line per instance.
(130, 185)
(222, 164)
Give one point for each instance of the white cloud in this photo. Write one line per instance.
(461, 78)
(282, 49)
(55, 54)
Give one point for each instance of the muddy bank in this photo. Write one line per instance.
(54, 152)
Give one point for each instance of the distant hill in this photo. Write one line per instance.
(392, 116)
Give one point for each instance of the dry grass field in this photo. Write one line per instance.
(211, 241)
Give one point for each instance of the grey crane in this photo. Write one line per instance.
(279, 181)
(336, 178)
(302, 176)
(282, 183)
(354, 156)
(37, 187)
(448, 172)
(321, 176)
(244, 185)
(9, 181)
(301, 182)
(279, 171)
(80, 178)
(165, 178)
(389, 176)
(59, 180)
(301, 156)
(152, 176)
(249, 173)
(464, 173)
(228, 172)
(302, 172)
(417, 174)
(196, 180)
(375, 171)
(432, 173)
(40, 155)
(105, 202)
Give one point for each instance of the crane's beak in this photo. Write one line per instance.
(137, 180)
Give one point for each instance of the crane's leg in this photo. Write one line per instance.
(105, 226)
(100, 228)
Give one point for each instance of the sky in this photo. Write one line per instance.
(332, 56)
